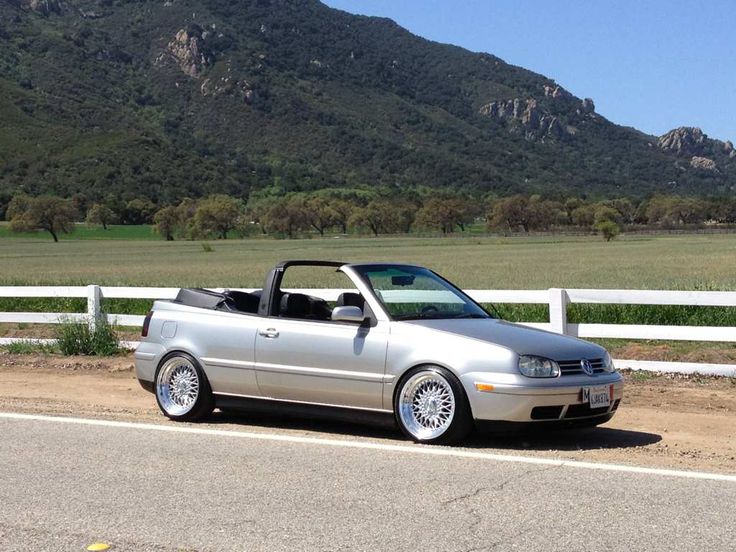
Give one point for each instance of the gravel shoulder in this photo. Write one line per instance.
(665, 421)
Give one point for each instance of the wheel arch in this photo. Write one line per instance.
(429, 364)
(178, 350)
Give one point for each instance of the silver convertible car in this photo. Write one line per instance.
(400, 340)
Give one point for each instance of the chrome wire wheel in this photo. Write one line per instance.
(177, 386)
(426, 405)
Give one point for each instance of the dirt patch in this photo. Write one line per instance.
(671, 421)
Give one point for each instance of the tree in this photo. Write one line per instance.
(583, 216)
(257, 211)
(608, 229)
(531, 213)
(381, 216)
(510, 213)
(100, 214)
(167, 222)
(286, 215)
(49, 213)
(438, 213)
(604, 213)
(80, 203)
(18, 205)
(465, 211)
(341, 210)
(139, 211)
(319, 214)
(625, 207)
(217, 214)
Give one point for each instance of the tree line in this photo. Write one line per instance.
(291, 215)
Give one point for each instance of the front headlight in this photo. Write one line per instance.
(608, 363)
(538, 367)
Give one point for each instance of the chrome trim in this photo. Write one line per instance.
(304, 402)
(228, 363)
(321, 372)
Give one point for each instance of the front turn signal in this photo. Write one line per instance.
(485, 387)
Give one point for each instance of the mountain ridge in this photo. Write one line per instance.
(167, 99)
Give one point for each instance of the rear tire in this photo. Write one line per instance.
(431, 407)
(182, 391)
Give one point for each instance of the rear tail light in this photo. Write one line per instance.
(146, 323)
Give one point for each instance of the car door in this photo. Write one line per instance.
(324, 362)
(228, 352)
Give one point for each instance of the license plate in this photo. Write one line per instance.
(597, 397)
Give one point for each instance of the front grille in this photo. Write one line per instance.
(546, 412)
(573, 368)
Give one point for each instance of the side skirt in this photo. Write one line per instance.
(305, 410)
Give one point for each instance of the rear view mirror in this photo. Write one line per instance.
(402, 280)
(347, 314)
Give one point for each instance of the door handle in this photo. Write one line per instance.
(270, 333)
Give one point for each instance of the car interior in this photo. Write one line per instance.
(291, 305)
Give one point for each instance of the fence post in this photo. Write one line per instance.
(94, 305)
(558, 301)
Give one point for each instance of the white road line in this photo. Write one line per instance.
(411, 449)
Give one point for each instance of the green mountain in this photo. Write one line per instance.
(188, 97)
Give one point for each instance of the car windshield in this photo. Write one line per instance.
(412, 293)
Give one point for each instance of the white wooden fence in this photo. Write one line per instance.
(556, 299)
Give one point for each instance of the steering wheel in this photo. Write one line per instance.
(429, 309)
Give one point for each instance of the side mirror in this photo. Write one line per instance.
(348, 314)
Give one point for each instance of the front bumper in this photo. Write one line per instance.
(542, 402)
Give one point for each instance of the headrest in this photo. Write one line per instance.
(350, 300)
(294, 304)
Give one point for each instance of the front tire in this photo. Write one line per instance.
(182, 391)
(431, 407)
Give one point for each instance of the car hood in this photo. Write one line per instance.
(520, 339)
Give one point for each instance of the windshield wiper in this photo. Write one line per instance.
(415, 316)
(471, 315)
(437, 316)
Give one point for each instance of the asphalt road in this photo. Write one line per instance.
(66, 485)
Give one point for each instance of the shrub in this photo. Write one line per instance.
(76, 338)
(608, 229)
(27, 347)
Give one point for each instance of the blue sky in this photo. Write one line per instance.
(654, 65)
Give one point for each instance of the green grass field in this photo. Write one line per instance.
(656, 262)
(84, 232)
(659, 262)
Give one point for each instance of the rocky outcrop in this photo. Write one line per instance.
(527, 116)
(45, 7)
(729, 150)
(686, 141)
(554, 116)
(703, 163)
(556, 91)
(189, 51)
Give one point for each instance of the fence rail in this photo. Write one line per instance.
(557, 300)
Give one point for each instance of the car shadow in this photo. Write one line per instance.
(377, 427)
(383, 427)
(570, 439)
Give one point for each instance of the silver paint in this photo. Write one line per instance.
(352, 365)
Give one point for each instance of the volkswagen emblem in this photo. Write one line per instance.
(587, 366)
